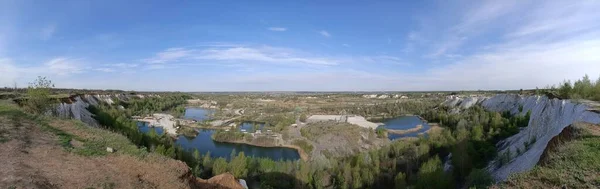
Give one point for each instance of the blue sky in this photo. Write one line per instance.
(305, 45)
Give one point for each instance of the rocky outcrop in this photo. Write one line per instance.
(548, 119)
(75, 107)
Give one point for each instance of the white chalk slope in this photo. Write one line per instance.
(548, 118)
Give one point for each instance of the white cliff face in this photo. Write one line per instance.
(548, 118)
(78, 108)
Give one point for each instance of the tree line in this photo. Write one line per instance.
(583, 88)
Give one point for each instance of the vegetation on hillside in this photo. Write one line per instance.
(581, 89)
(38, 96)
(572, 164)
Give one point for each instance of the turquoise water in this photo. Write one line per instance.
(204, 143)
(405, 122)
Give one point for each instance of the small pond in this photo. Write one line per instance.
(403, 123)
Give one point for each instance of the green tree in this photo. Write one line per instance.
(38, 95)
(479, 178)
(303, 117)
(431, 175)
(400, 181)
(160, 149)
(219, 166)
(238, 166)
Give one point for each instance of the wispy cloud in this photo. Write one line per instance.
(324, 33)
(254, 55)
(262, 54)
(346, 45)
(123, 65)
(278, 29)
(108, 70)
(170, 55)
(64, 66)
(556, 18)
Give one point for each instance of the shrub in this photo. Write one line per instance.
(38, 94)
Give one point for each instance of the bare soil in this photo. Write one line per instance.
(33, 157)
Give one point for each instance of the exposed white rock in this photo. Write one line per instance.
(548, 118)
(76, 110)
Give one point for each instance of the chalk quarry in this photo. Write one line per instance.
(548, 119)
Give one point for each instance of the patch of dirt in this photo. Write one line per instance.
(222, 181)
(34, 158)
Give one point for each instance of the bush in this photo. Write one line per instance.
(479, 178)
(307, 147)
(38, 96)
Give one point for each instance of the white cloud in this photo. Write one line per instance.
(108, 70)
(64, 66)
(253, 55)
(47, 32)
(514, 66)
(278, 29)
(262, 54)
(324, 33)
(170, 55)
(123, 65)
(556, 18)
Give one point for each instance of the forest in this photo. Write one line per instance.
(470, 136)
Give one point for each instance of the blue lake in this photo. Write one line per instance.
(403, 123)
(204, 143)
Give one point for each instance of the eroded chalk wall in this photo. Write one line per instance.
(548, 118)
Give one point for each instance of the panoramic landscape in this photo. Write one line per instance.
(300, 95)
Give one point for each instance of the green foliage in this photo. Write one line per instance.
(307, 147)
(38, 96)
(400, 181)
(479, 178)
(303, 117)
(238, 166)
(581, 89)
(219, 166)
(224, 136)
(431, 175)
(381, 132)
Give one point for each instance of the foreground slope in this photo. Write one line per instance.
(572, 160)
(50, 153)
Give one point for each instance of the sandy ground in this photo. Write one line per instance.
(405, 131)
(166, 121)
